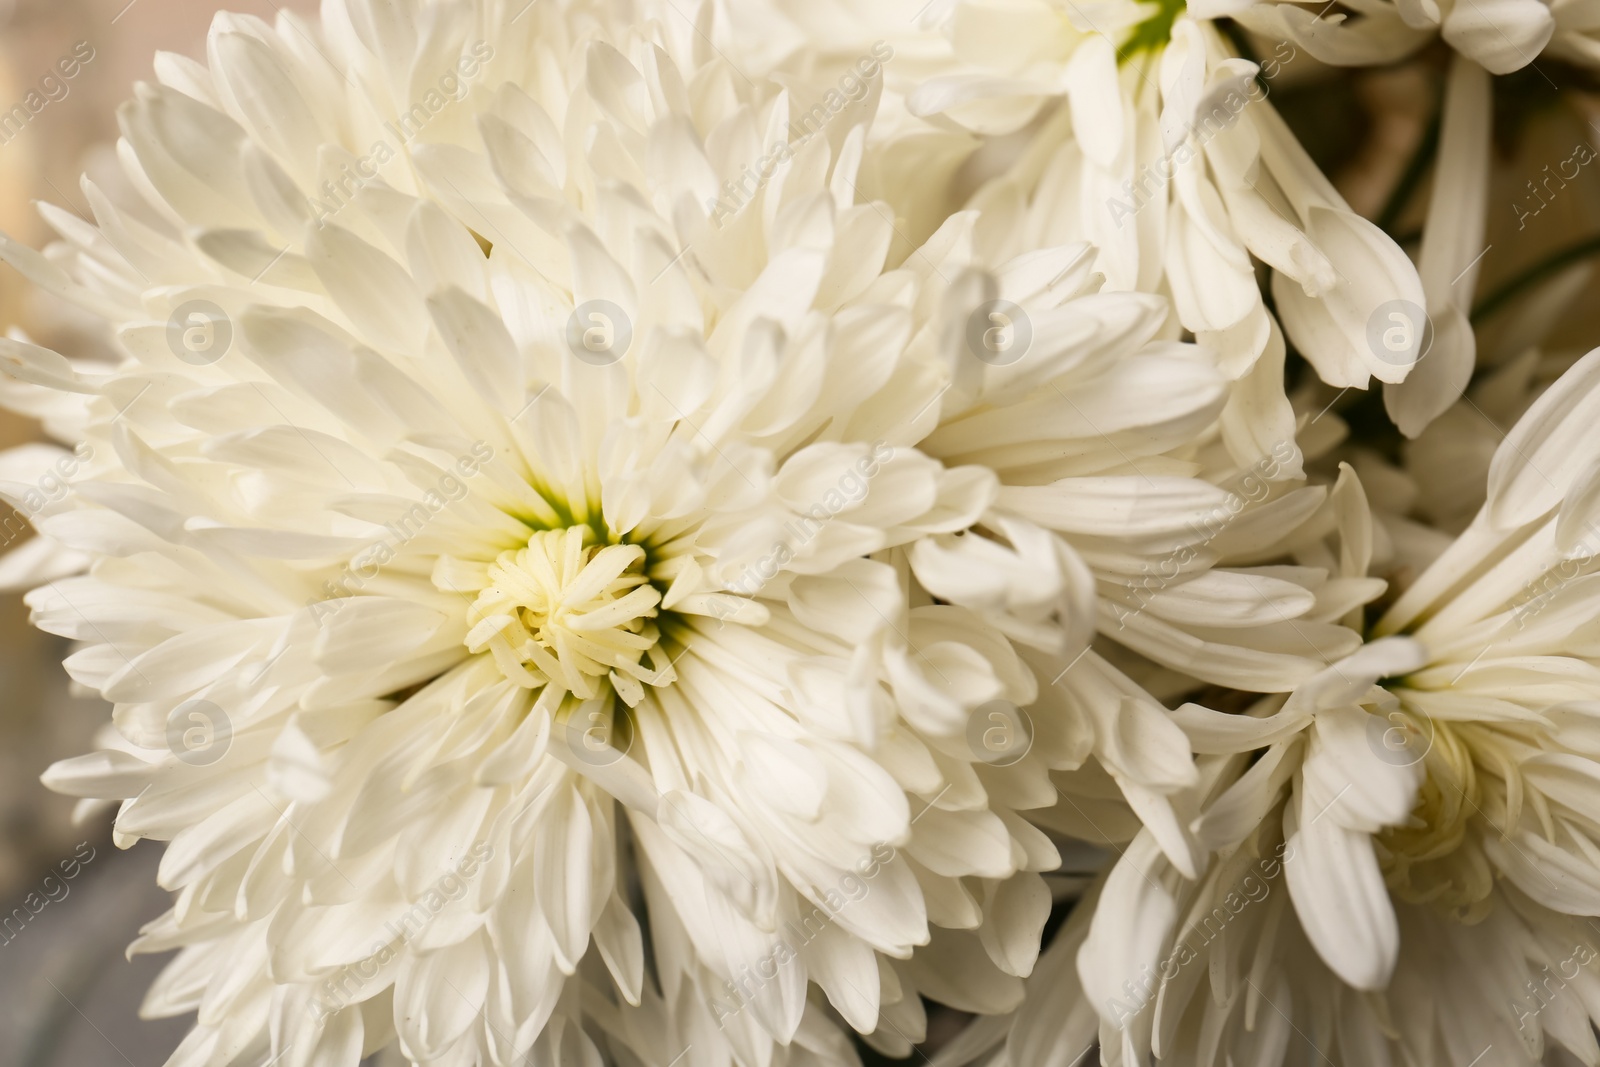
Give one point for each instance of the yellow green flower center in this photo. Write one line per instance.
(567, 611)
(1435, 858)
(1154, 32)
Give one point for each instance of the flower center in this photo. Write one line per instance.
(1435, 858)
(566, 612)
(1154, 32)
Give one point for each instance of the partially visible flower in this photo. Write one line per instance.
(1429, 801)
(1500, 35)
(1133, 127)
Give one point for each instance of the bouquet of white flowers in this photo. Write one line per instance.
(779, 533)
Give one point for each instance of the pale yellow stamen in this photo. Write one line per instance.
(565, 612)
(1436, 858)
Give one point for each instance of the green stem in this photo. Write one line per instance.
(1533, 276)
(1406, 187)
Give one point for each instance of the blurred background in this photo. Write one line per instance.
(68, 998)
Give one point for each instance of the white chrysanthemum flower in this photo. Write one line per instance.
(1429, 802)
(496, 545)
(1174, 970)
(1500, 35)
(1134, 128)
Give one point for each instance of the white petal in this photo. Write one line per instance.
(1339, 894)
